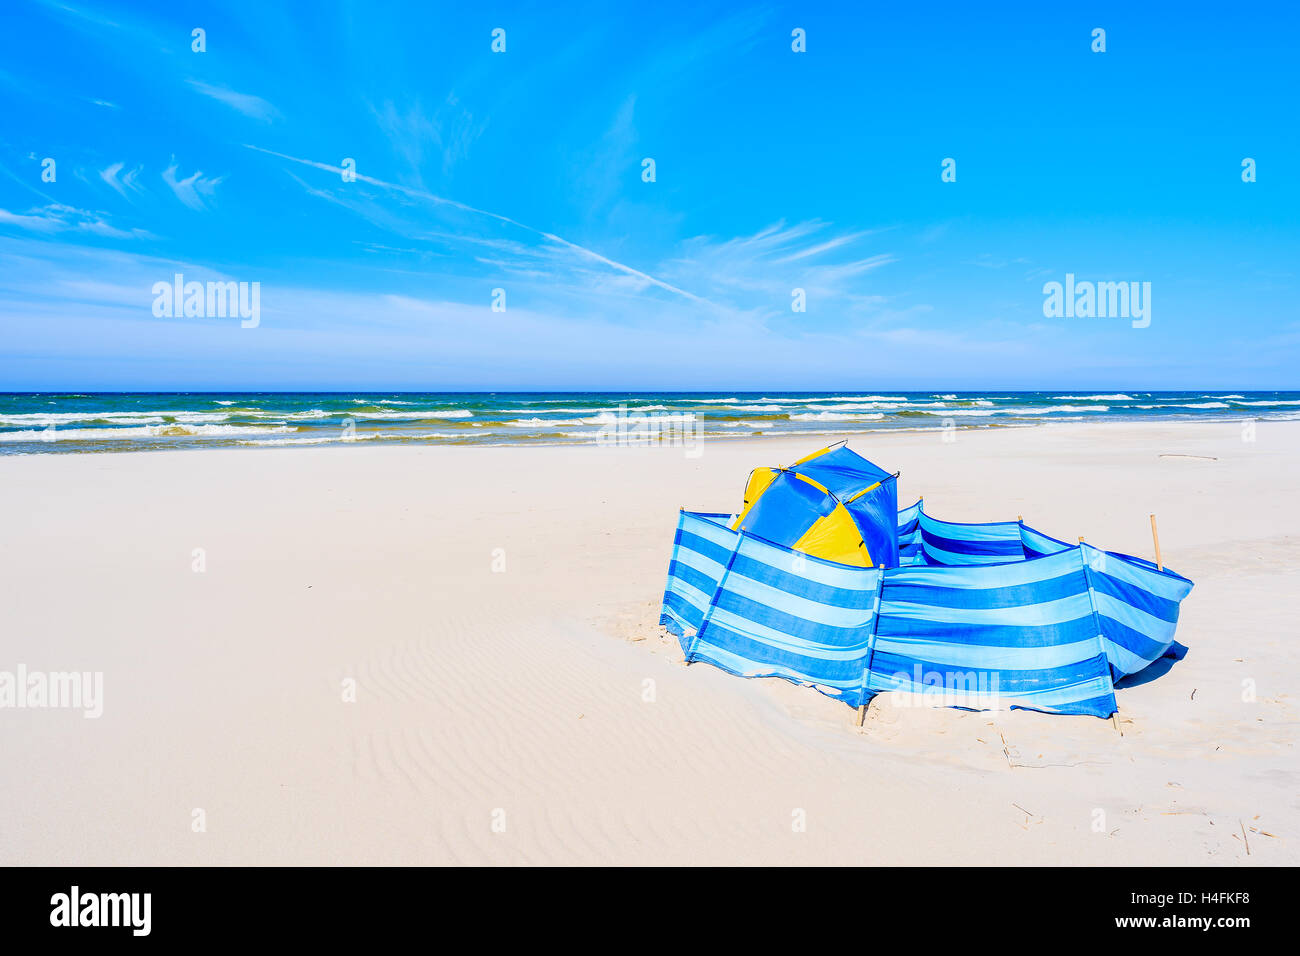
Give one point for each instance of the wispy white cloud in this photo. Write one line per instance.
(56, 217)
(600, 172)
(192, 189)
(81, 13)
(245, 103)
(78, 302)
(987, 260)
(758, 272)
(822, 247)
(417, 135)
(123, 184)
(582, 252)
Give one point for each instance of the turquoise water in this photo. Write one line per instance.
(54, 423)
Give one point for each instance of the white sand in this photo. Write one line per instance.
(523, 690)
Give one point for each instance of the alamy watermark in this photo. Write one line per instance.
(21, 689)
(683, 429)
(210, 300)
(927, 687)
(78, 908)
(1085, 299)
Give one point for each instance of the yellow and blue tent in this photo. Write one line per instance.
(833, 504)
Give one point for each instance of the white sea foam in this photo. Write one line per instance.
(413, 416)
(837, 417)
(311, 414)
(614, 418)
(357, 436)
(1118, 397)
(1049, 409)
(540, 422)
(835, 398)
(145, 431)
(121, 418)
(1014, 410)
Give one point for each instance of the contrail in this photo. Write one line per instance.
(442, 200)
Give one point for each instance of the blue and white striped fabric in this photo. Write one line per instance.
(977, 615)
(1137, 608)
(779, 613)
(909, 535)
(702, 547)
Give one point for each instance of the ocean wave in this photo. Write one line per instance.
(310, 414)
(412, 416)
(540, 422)
(613, 418)
(1013, 410)
(1188, 405)
(43, 419)
(1051, 409)
(945, 413)
(341, 440)
(146, 431)
(835, 398)
(837, 417)
(1117, 397)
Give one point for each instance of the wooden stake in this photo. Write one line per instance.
(1114, 719)
(1155, 537)
(862, 714)
(1020, 518)
(1081, 539)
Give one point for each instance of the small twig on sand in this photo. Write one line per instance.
(1243, 836)
(1005, 750)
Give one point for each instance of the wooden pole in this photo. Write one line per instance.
(862, 714)
(1020, 517)
(1155, 537)
(1081, 539)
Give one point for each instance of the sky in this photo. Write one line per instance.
(524, 171)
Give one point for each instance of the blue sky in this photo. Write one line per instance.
(522, 170)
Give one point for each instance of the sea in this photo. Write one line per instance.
(55, 423)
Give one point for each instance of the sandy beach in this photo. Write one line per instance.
(493, 611)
